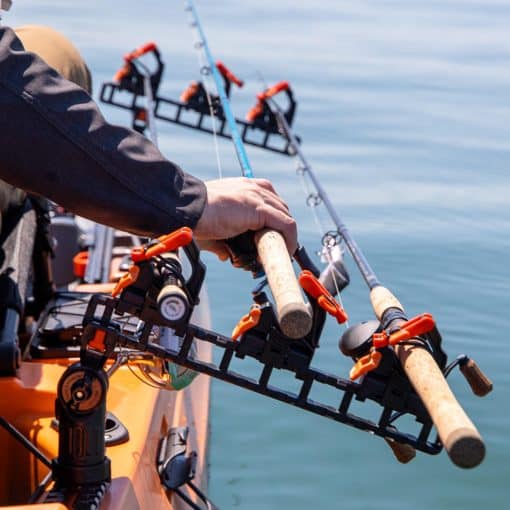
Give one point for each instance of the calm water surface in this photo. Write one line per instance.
(404, 110)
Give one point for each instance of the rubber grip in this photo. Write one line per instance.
(459, 436)
(294, 316)
(404, 453)
(479, 382)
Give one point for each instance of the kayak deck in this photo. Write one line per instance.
(28, 403)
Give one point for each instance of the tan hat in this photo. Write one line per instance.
(57, 51)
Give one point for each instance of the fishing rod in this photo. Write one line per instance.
(293, 314)
(366, 271)
(388, 363)
(457, 432)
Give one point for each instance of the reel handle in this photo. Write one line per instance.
(404, 453)
(293, 314)
(458, 434)
(480, 384)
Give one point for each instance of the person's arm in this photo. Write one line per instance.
(54, 142)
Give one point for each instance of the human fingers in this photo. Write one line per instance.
(283, 223)
(273, 200)
(266, 184)
(217, 247)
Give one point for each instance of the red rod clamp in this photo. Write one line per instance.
(325, 300)
(247, 322)
(414, 327)
(228, 74)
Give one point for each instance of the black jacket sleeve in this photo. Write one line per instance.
(54, 142)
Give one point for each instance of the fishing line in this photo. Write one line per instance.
(205, 71)
(313, 201)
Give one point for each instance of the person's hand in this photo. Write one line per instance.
(236, 205)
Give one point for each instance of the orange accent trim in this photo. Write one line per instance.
(168, 242)
(365, 364)
(228, 74)
(122, 73)
(129, 278)
(98, 342)
(141, 115)
(272, 91)
(142, 50)
(80, 261)
(416, 326)
(325, 300)
(413, 327)
(247, 322)
(380, 340)
(190, 92)
(255, 111)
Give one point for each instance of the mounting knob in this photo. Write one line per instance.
(173, 304)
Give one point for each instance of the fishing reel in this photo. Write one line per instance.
(156, 292)
(370, 344)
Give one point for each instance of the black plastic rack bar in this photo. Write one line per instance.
(386, 393)
(170, 110)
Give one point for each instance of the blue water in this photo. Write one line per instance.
(404, 111)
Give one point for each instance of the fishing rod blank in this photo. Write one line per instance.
(293, 314)
(364, 267)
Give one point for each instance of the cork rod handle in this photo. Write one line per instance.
(293, 314)
(459, 436)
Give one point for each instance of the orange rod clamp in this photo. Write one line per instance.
(228, 74)
(80, 261)
(258, 109)
(255, 111)
(142, 50)
(168, 242)
(365, 364)
(414, 327)
(122, 73)
(190, 91)
(272, 91)
(247, 322)
(130, 277)
(325, 300)
(141, 115)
